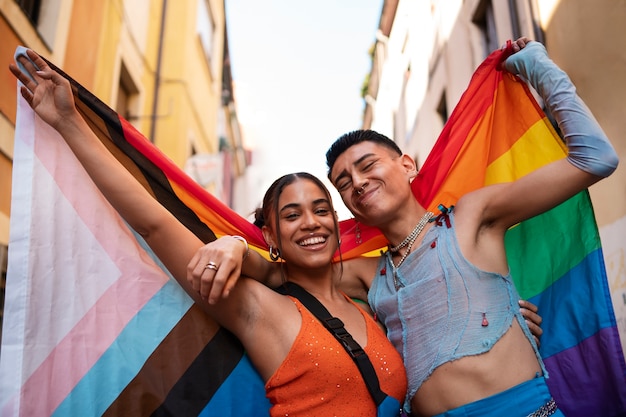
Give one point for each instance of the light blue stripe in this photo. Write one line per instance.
(121, 362)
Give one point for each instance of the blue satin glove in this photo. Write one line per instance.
(589, 148)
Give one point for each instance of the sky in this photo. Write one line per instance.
(298, 69)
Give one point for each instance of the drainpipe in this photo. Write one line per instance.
(514, 19)
(538, 32)
(157, 75)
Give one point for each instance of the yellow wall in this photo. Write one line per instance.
(91, 41)
(190, 92)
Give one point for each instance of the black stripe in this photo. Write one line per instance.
(194, 390)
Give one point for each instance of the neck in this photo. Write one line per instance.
(320, 282)
(396, 232)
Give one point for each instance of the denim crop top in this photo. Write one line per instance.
(445, 307)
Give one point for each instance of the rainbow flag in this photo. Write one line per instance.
(94, 324)
(498, 133)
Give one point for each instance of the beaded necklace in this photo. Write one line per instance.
(408, 242)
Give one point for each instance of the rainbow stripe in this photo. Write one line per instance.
(94, 325)
(498, 133)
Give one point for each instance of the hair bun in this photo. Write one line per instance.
(259, 220)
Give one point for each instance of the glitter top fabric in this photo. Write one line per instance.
(318, 377)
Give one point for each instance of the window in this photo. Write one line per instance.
(44, 15)
(442, 109)
(126, 96)
(3, 281)
(31, 8)
(205, 28)
(122, 102)
(485, 21)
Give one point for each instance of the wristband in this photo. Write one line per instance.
(245, 242)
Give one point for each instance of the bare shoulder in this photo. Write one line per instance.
(480, 231)
(267, 323)
(358, 274)
(469, 210)
(476, 210)
(251, 306)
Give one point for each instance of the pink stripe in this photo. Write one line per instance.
(71, 359)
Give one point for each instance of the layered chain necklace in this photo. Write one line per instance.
(408, 243)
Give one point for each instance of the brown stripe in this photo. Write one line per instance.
(196, 389)
(186, 351)
(167, 364)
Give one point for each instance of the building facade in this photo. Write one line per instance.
(427, 51)
(162, 65)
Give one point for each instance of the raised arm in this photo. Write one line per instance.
(590, 154)
(358, 274)
(50, 96)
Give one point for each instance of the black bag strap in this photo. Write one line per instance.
(336, 327)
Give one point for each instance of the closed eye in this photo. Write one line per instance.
(343, 186)
(368, 166)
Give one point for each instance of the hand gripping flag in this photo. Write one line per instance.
(94, 324)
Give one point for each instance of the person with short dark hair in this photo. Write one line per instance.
(443, 289)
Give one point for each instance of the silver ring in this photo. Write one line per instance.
(211, 265)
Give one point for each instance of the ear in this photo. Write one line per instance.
(268, 236)
(408, 163)
(410, 166)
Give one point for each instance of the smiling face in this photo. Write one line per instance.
(304, 225)
(373, 181)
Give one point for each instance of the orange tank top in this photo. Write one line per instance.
(319, 378)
